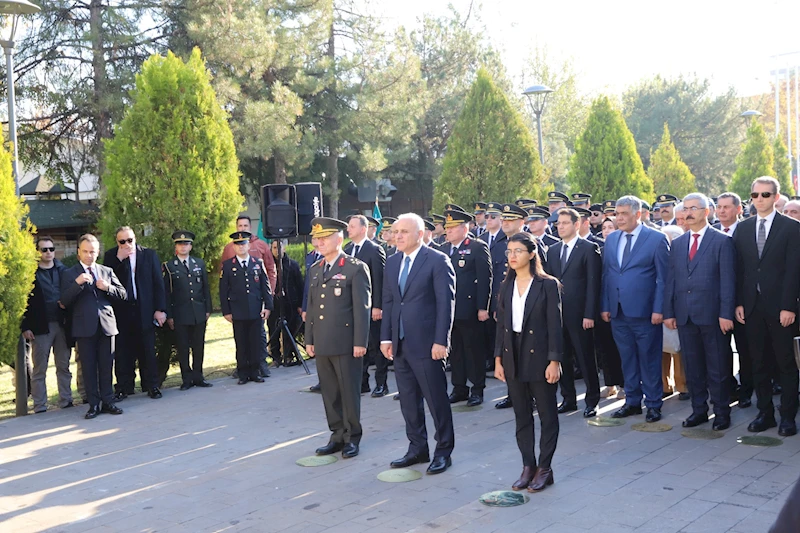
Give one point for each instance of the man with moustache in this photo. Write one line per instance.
(666, 204)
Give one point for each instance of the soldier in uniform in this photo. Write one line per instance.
(427, 236)
(584, 228)
(645, 217)
(609, 209)
(188, 307)
(496, 241)
(337, 333)
(555, 201)
(386, 235)
(581, 199)
(246, 300)
(480, 218)
(438, 229)
(666, 204)
(372, 230)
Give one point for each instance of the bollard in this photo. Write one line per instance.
(22, 378)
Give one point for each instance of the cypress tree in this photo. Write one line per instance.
(754, 160)
(667, 171)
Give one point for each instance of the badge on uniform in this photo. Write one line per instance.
(461, 263)
(256, 278)
(337, 291)
(339, 276)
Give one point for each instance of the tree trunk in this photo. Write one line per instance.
(102, 116)
(332, 160)
(332, 171)
(280, 168)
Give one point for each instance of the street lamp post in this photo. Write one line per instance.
(12, 11)
(537, 95)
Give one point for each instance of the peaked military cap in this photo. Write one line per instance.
(182, 236)
(454, 217)
(646, 206)
(537, 213)
(557, 196)
(371, 221)
(240, 236)
(429, 225)
(666, 199)
(525, 203)
(583, 212)
(324, 226)
(494, 208)
(387, 222)
(480, 207)
(598, 208)
(581, 198)
(452, 207)
(437, 218)
(609, 206)
(513, 212)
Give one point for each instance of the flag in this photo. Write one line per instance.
(376, 214)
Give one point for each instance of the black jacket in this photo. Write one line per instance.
(149, 286)
(187, 293)
(86, 303)
(580, 280)
(375, 258)
(292, 282)
(35, 317)
(473, 267)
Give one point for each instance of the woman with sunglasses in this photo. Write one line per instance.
(528, 356)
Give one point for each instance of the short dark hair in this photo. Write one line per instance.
(41, 238)
(244, 217)
(571, 213)
(88, 237)
(124, 228)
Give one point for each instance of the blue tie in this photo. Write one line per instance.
(626, 253)
(403, 279)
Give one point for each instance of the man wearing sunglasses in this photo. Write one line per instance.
(139, 270)
(768, 283)
(43, 325)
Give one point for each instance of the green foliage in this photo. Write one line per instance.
(172, 164)
(667, 171)
(491, 154)
(606, 164)
(782, 166)
(754, 160)
(18, 259)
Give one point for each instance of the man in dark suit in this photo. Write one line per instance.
(139, 270)
(576, 263)
(418, 306)
(632, 297)
(87, 290)
(473, 268)
(495, 239)
(699, 300)
(768, 283)
(374, 257)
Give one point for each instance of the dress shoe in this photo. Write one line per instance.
(653, 414)
(365, 387)
(380, 391)
(683, 396)
(543, 477)
(455, 398)
(92, 412)
(235, 374)
(110, 409)
(474, 400)
(69, 404)
(505, 403)
(626, 411)
(263, 369)
(763, 422)
(590, 412)
(118, 397)
(349, 450)
(257, 379)
(525, 478)
(331, 447)
(242, 381)
(154, 393)
(567, 407)
(397, 397)
(315, 388)
(776, 389)
(721, 423)
(744, 403)
(186, 386)
(787, 428)
(203, 384)
(665, 395)
(439, 465)
(409, 459)
(695, 419)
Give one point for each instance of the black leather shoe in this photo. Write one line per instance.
(235, 374)
(69, 404)
(380, 391)
(242, 381)
(695, 419)
(257, 379)
(455, 398)
(744, 403)
(92, 412)
(439, 465)
(203, 384)
(315, 388)
(683, 396)
(111, 409)
(408, 460)
(186, 386)
(397, 397)
(776, 389)
(721, 423)
(787, 428)
(567, 407)
(331, 447)
(118, 397)
(474, 400)
(626, 411)
(763, 422)
(505, 403)
(350, 450)
(590, 412)
(154, 393)
(653, 414)
(365, 388)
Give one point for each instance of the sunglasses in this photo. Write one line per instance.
(125, 241)
(754, 195)
(493, 217)
(50, 249)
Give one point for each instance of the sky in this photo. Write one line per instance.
(617, 43)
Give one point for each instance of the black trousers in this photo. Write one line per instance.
(706, 356)
(467, 359)
(135, 343)
(97, 360)
(763, 330)
(419, 377)
(578, 347)
(340, 381)
(248, 335)
(612, 363)
(544, 393)
(374, 356)
(191, 338)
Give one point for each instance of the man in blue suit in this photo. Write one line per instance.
(418, 308)
(632, 298)
(699, 301)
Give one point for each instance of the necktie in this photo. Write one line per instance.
(402, 282)
(244, 265)
(563, 257)
(186, 265)
(327, 268)
(726, 230)
(626, 253)
(355, 250)
(94, 282)
(762, 236)
(491, 241)
(693, 249)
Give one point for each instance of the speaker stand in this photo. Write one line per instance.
(283, 325)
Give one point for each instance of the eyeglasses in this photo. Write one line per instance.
(50, 249)
(693, 209)
(125, 241)
(493, 217)
(764, 194)
(515, 252)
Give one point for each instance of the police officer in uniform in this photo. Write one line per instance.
(188, 307)
(581, 199)
(596, 219)
(246, 300)
(337, 333)
(609, 209)
(386, 235)
(555, 201)
(439, 236)
(480, 218)
(525, 204)
(496, 241)
(666, 203)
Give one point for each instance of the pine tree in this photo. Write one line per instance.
(17, 259)
(782, 166)
(490, 155)
(667, 171)
(755, 160)
(606, 164)
(172, 164)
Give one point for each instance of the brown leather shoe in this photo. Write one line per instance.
(543, 477)
(524, 478)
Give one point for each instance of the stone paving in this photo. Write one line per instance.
(223, 459)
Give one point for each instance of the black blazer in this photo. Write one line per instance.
(149, 285)
(777, 272)
(86, 303)
(497, 251)
(580, 280)
(542, 338)
(375, 258)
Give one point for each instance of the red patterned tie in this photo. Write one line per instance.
(693, 249)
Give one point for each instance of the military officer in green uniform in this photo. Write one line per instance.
(337, 333)
(188, 307)
(246, 300)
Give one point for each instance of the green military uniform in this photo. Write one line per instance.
(337, 320)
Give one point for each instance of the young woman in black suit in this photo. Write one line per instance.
(528, 355)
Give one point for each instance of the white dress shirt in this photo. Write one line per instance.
(702, 233)
(357, 245)
(132, 259)
(624, 240)
(731, 229)
(518, 306)
(769, 220)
